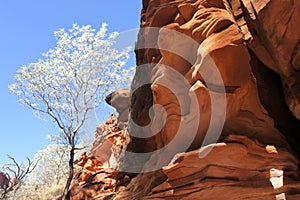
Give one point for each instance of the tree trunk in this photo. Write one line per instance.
(66, 195)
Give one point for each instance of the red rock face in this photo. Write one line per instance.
(4, 180)
(252, 50)
(226, 32)
(276, 43)
(226, 174)
(214, 111)
(96, 172)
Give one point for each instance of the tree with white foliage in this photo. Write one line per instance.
(71, 81)
(51, 165)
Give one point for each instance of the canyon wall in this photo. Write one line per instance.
(214, 106)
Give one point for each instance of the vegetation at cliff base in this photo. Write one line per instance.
(64, 87)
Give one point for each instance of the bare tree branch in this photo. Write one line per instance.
(19, 172)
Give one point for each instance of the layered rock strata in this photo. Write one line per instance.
(214, 105)
(253, 52)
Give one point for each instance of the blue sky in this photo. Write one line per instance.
(27, 31)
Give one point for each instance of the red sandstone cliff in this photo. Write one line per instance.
(234, 62)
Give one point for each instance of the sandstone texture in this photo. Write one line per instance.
(226, 174)
(120, 101)
(96, 172)
(214, 106)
